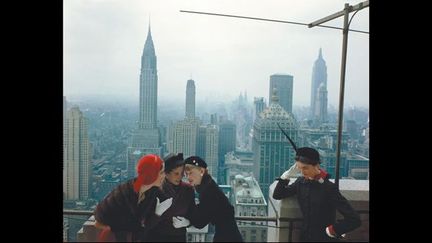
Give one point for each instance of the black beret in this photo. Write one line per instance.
(197, 161)
(308, 156)
(172, 161)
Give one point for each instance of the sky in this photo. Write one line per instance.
(103, 42)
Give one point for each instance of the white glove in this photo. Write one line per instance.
(179, 222)
(161, 207)
(292, 172)
(333, 235)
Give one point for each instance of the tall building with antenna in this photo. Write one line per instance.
(319, 76)
(146, 138)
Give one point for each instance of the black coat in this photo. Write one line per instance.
(318, 203)
(182, 205)
(215, 208)
(119, 210)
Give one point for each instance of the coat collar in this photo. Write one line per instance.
(320, 178)
(206, 180)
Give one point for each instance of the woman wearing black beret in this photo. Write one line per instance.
(214, 206)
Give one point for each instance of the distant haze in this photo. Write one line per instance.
(104, 41)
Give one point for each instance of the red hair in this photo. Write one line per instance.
(148, 169)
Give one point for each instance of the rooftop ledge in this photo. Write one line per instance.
(284, 216)
(355, 191)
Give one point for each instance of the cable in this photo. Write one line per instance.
(270, 20)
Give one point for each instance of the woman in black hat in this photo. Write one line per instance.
(171, 226)
(213, 206)
(318, 199)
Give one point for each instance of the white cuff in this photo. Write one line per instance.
(333, 236)
(328, 233)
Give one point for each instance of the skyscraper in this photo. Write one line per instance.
(284, 85)
(190, 137)
(259, 106)
(76, 156)
(148, 85)
(320, 115)
(352, 129)
(227, 143)
(243, 121)
(183, 137)
(201, 140)
(273, 154)
(190, 99)
(146, 138)
(214, 119)
(64, 122)
(319, 75)
(211, 148)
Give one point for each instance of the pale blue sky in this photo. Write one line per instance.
(104, 39)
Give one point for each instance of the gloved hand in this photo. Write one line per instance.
(331, 232)
(179, 222)
(292, 172)
(161, 207)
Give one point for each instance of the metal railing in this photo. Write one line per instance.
(251, 219)
(290, 220)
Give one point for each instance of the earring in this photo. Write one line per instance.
(201, 174)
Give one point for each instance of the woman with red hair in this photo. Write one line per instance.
(125, 209)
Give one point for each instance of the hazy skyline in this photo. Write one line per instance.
(104, 40)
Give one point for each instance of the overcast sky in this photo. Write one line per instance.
(104, 40)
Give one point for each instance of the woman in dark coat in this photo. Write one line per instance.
(182, 205)
(125, 209)
(213, 206)
(318, 199)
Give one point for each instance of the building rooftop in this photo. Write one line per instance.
(247, 190)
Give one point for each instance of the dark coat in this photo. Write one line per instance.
(215, 208)
(119, 210)
(318, 203)
(182, 205)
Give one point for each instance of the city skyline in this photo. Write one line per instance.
(103, 41)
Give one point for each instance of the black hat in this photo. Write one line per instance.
(308, 156)
(305, 154)
(197, 161)
(172, 161)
